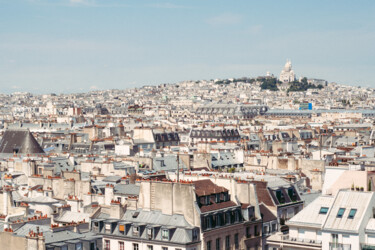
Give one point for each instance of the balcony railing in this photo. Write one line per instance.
(339, 246)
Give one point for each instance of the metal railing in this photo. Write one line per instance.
(339, 246)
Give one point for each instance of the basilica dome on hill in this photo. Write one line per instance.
(287, 74)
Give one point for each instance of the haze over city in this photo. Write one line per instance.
(66, 46)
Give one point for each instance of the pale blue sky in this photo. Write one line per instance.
(80, 45)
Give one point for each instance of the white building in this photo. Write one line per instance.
(341, 222)
(287, 74)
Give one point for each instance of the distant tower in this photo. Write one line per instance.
(287, 74)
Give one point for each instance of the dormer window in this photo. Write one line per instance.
(236, 216)
(280, 196)
(135, 230)
(217, 198)
(121, 229)
(108, 228)
(207, 200)
(251, 212)
(150, 233)
(165, 234)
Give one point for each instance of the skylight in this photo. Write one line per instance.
(352, 213)
(340, 213)
(323, 210)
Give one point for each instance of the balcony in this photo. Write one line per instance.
(339, 246)
(283, 240)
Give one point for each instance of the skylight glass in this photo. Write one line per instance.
(341, 212)
(352, 213)
(323, 210)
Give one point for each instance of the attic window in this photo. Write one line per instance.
(323, 210)
(352, 213)
(135, 215)
(340, 213)
(165, 234)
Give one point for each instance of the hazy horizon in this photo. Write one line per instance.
(71, 46)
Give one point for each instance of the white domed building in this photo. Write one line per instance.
(287, 74)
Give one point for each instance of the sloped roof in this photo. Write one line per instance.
(361, 201)
(21, 141)
(267, 215)
(69, 216)
(207, 187)
(311, 215)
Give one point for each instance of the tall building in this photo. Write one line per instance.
(287, 74)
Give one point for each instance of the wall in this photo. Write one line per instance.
(8, 241)
(170, 198)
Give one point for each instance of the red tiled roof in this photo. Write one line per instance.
(267, 214)
(244, 205)
(262, 192)
(217, 206)
(207, 187)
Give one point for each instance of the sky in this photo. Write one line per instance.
(65, 46)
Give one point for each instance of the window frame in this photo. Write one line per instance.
(165, 234)
(209, 245)
(218, 241)
(121, 245)
(107, 245)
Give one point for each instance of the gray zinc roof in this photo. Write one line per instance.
(19, 141)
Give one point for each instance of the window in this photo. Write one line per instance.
(323, 210)
(265, 229)
(217, 198)
(334, 240)
(135, 246)
(218, 244)
(165, 234)
(195, 234)
(208, 245)
(108, 228)
(121, 228)
(149, 233)
(92, 246)
(340, 213)
(107, 245)
(135, 230)
(150, 247)
(207, 200)
(236, 216)
(227, 242)
(164, 248)
(79, 246)
(121, 245)
(248, 234)
(207, 222)
(352, 213)
(256, 233)
(64, 248)
(236, 245)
